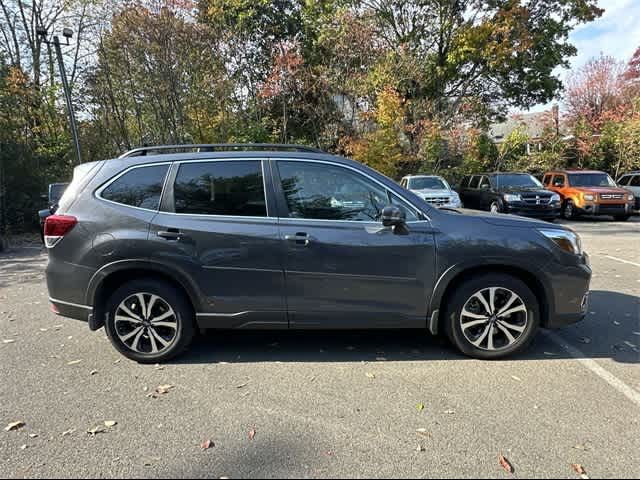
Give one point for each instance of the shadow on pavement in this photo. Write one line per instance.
(23, 265)
(596, 337)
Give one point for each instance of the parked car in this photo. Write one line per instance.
(631, 182)
(517, 193)
(589, 192)
(53, 196)
(156, 247)
(433, 189)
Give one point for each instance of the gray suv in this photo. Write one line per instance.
(165, 241)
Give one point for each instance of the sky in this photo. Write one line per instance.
(615, 33)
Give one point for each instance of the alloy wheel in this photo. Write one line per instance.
(146, 324)
(493, 318)
(495, 208)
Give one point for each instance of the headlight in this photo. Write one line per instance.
(512, 198)
(589, 198)
(555, 198)
(630, 198)
(566, 239)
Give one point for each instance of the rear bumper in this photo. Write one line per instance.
(71, 310)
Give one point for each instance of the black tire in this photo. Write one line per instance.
(464, 293)
(569, 210)
(621, 218)
(181, 336)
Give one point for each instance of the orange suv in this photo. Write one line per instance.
(589, 192)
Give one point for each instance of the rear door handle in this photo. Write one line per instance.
(301, 238)
(171, 234)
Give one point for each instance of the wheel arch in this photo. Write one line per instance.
(458, 274)
(111, 276)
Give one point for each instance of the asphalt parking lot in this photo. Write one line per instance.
(325, 404)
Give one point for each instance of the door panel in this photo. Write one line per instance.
(220, 234)
(350, 273)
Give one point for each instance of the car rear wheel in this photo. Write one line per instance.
(492, 316)
(149, 321)
(569, 210)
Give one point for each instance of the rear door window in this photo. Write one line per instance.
(140, 187)
(233, 188)
(475, 180)
(635, 182)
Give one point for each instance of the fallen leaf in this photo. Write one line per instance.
(44, 330)
(23, 447)
(370, 375)
(14, 426)
(423, 432)
(450, 412)
(110, 423)
(506, 464)
(420, 448)
(252, 434)
(93, 372)
(8, 341)
(164, 389)
(74, 362)
(420, 407)
(580, 470)
(159, 367)
(580, 446)
(95, 431)
(517, 379)
(68, 432)
(33, 435)
(207, 444)
(242, 385)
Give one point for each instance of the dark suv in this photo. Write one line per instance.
(517, 193)
(156, 247)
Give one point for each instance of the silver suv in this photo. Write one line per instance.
(631, 182)
(433, 189)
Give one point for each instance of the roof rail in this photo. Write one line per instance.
(218, 147)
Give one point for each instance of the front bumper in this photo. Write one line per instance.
(613, 209)
(570, 289)
(533, 211)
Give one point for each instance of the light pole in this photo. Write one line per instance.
(67, 33)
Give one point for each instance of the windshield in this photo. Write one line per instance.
(520, 180)
(591, 180)
(427, 183)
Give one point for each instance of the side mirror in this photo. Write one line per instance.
(393, 216)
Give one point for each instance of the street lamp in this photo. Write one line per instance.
(67, 33)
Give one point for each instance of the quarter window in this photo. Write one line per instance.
(220, 188)
(140, 187)
(326, 192)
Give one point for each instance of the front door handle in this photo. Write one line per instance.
(300, 238)
(171, 234)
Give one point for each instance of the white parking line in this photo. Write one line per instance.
(621, 260)
(592, 365)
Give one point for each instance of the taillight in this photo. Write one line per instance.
(56, 227)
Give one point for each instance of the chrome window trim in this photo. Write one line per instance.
(349, 167)
(99, 190)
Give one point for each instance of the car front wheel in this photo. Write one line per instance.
(149, 321)
(569, 210)
(492, 316)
